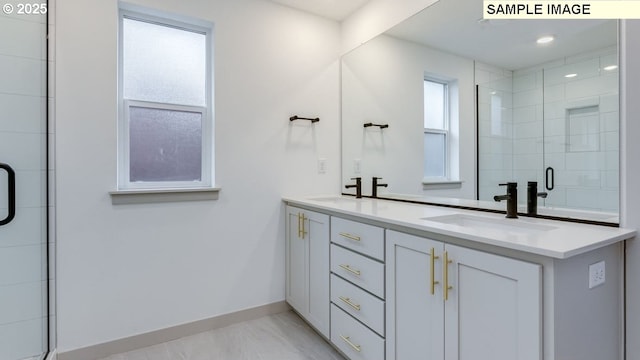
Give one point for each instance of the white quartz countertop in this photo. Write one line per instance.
(556, 239)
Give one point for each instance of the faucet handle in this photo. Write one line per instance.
(543, 195)
(356, 178)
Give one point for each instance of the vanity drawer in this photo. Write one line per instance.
(363, 238)
(358, 303)
(354, 339)
(358, 269)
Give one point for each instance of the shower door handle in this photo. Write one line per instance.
(11, 192)
(550, 184)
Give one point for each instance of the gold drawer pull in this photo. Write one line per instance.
(433, 270)
(350, 237)
(350, 303)
(349, 269)
(348, 341)
(446, 286)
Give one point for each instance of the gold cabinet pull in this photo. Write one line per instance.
(347, 339)
(445, 275)
(433, 270)
(350, 237)
(349, 269)
(300, 225)
(304, 231)
(348, 301)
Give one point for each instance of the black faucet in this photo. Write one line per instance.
(374, 186)
(532, 198)
(357, 185)
(512, 199)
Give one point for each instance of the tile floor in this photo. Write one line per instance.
(277, 337)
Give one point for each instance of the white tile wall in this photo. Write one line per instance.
(22, 339)
(22, 264)
(22, 301)
(496, 128)
(582, 146)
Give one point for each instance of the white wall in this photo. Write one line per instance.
(129, 269)
(390, 90)
(630, 177)
(376, 17)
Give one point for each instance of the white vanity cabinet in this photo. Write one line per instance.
(307, 266)
(382, 280)
(454, 303)
(357, 289)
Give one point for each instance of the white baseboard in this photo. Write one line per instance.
(52, 355)
(135, 342)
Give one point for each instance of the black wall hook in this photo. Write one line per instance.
(296, 117)
(381, 126)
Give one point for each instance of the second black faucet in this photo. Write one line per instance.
(375, 185)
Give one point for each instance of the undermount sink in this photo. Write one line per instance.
(511, 226)
(337, 199)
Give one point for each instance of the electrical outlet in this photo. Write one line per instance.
(596, 274)
(322, 166)
(357, 166)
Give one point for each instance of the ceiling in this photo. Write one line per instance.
(456, 26)
(333, 9)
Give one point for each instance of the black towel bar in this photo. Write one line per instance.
(381, 126)
(296, 117)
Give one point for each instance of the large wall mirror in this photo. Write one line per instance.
(446, 106)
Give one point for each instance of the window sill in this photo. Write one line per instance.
(146, 196)
(441, 184)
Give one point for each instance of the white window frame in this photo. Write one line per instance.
(444, 131)
(124, 104)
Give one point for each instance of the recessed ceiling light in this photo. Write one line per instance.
(545, 40)
(570, 75)
(610, 67)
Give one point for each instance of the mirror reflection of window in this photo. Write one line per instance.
(436, 129)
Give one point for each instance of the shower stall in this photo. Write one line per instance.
(24, 243)
(556, 124)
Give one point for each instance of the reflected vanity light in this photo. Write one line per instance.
(571, 75)
(545, 40)
(610, 67)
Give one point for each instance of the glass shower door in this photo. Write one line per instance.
(23, 185)
(581, 132)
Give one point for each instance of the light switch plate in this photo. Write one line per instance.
(596, 274)
(322, 166)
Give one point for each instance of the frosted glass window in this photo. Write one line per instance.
(435, 95)
(165, 145)
(163, 64)
(165, 86)
(435, 150)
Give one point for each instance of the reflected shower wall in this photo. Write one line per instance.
(495, 129)
(562, 116)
